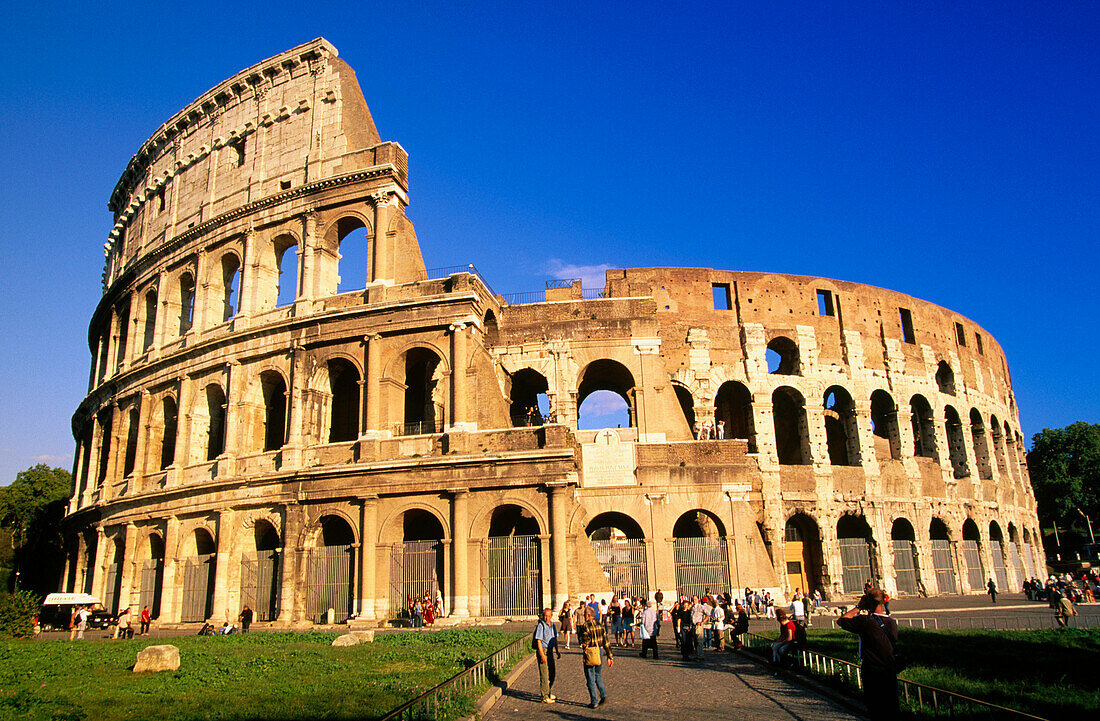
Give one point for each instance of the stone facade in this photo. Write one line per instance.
(245, 420)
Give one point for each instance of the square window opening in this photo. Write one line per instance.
(960, 334)
(978, 341)
(721, 296)
(825, 304)
(907, 334)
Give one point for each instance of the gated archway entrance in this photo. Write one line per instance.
(854, 537)
(416, 563)
(802, 553)
(330, 568)
(113, 578)
(512, 563)
(620, 548)
(943, 562)
(152, 576)
(699, 552)
(903, 539)
(975, 572)
(198, 579)
(260, 573)
(996, 549)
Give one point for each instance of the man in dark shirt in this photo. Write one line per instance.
(878, 634)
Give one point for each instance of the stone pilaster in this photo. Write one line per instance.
(368, 558)
(460, 553)
(559, 529)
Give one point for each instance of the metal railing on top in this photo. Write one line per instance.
(917, 696)
(439, 702)
(437, 273)
(417, 428)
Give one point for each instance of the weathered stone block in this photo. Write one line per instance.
(348, 639)
(158, 658)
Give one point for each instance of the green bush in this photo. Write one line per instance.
(17, 612)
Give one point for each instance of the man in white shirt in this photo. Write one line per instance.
(718, 627)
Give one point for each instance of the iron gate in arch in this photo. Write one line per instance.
(198, 588)
(701, 563)
(511, 572)
(975, 574)
(623, 562)
(855, 560)
(152, 581)
(111, 587)
(1028, 565)
(260, 584)
(943, 566)
(999, 570)
(1017, 562)
(905, 567)
(329, 572)
(416, 567)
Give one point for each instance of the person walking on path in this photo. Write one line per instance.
(595, 649)
(565, 619)
(1063, 608)
(146, 620)
(74, 621)
(991, 589)
(245, 618)
(649, 626)
(878, 636)
(82, 622)
(545, 642)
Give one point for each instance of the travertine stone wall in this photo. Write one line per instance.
(239, 405)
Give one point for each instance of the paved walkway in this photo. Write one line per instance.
(721, 686)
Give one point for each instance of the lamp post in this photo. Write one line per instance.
(1092, 539)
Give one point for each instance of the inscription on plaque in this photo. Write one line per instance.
(608, 462)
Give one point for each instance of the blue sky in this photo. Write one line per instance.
(946, 150)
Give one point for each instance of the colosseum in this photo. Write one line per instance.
(270, 423)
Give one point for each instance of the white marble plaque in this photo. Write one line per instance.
(608, 462)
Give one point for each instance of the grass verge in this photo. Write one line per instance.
(278, 676)
(1049, 673)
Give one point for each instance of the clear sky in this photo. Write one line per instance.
(946, 150)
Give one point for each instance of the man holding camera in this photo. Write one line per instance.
(878, 635)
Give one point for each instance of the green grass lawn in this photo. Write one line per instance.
(1050, 673)
(279, 676)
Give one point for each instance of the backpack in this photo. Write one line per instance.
(800, 633)
(900, 662)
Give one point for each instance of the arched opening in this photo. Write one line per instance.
(699, 553)
(216, 410)
(841, 431)
(972, 555)
(903, 539)
(152, 576)
(260, 573)
(286, 265)
(417, 568)
(529, 400)
(997, 551)
(792, 433)
(169, 415)
(733, 411)
(1010, 453)
(198, 578)
(331, 568)
(618, 542)
(514, 563)
(998, 444)
(423, 392)
(1029, 559)
(187, 302)
(782, 357)
(122, 314)
(605, 396)
(112, 582)
(945, 378)
(91, 547)
(924, 428)
(492, 331)
(855, 539)
(353, 260)
(1015, 556)
(802, 553)
(106, 432)
(956, 444)
(981, 445)
(150, 325)
(274, 392)
(943, 560)
(132, 426)
(884, 425)
(231, 285)
(343, 379)
(687, 408)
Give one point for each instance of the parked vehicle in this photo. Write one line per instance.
(58, 607)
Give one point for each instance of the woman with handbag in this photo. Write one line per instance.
(594, 649)
(565, 618)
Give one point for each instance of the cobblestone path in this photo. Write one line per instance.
(720, 687)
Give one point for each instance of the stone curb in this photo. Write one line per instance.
(490, 697)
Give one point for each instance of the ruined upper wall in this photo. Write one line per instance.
(290, 120)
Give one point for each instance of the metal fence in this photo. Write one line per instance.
(512, 575)
(623, 561)
(111, 587)
(975, 573)
(855, 559)
(198, 588)
(417, 428)
(329, 574)
(437, 273)
(1028, 561)
(415, 567)
(916, 697)
(152, 582)
(701, 563)
(1028, 621)
(943, 565)
(532, 296)
(260, 584)
(996, 549)
(905, 566)
(444, 701)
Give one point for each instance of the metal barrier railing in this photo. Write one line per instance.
(439, 703)
(438, 273)
(1030, 621)
(417, 428)
(918, 697)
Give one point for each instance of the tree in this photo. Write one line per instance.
(32, 508)
(1064, 464)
